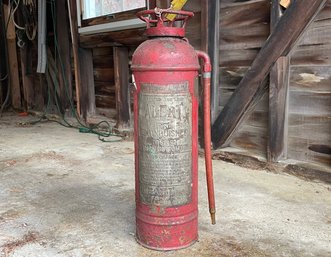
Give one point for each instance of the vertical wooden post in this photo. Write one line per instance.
(210, 43)
(122, 92)
(87, 95)
(278, 98)
(74, 38)
(27, 80)
(13, 63)
(65, 77)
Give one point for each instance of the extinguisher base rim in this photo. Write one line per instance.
(166, 249)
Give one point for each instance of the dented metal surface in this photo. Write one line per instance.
(165, 159)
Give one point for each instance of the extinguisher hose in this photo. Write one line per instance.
(207, 133)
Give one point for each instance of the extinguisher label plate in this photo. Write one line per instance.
(165, 144)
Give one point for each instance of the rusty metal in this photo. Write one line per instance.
(165, 70)
(207, 133)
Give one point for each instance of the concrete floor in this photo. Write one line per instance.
(64, 193)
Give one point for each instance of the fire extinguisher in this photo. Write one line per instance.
(165, 69)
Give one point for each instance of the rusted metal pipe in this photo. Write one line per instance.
(207, 133)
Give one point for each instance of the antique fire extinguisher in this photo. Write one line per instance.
(165, 69)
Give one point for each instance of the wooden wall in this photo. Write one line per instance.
(103, 70)
(244, 27)
(309, 112)
(103, 61)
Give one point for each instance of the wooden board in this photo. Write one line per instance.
(237, 57)
(310, 114)
(316, 36)
(103, 70)
(311, 79)
(104, 74)
(130, 37)
(252, 36)
(15, 91)
(246, 14)
(310, 103)
(87, 83)
(64, 67)
(236, 3)
(122, 76)
(252, 139)
(278, 96)
(105, 101)
(311, 55)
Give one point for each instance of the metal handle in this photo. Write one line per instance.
(207, 133)
(157, 16)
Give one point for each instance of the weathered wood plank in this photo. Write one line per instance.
(316, 36)
(304, 170)
(74, 40)
(238, 57)
(280, 42)
(64, 67)
(226, 94)
(325, 13)
(311, 79)
(104, 88)
(278, 110)
(15, 91)
(311, 55)
(121, 73)
(253, 36)
(230, 77)
(236, 3)
(245, 15)
(104, 101)
(310, 151)
(310, 103)
(27, 79)
(209, 27)
(87, 83)
(102, 51)
(103, 61)
(278, 101)
(104, 74)
(130, 37)
(252, 139)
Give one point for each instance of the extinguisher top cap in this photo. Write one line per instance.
(158, 25)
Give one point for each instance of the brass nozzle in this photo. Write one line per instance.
(212, 216)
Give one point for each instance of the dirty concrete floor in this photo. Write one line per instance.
(64, 193)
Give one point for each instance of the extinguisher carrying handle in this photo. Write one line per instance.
(207, 133)
(159, 16)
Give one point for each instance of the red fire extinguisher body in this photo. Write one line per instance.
(165, 70)
(165, 107)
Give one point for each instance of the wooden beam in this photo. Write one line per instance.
(65, 75)
(213, 51)
(278, 106)
(210, 44)
(27, 79)
(278, 98)
(121, 73)
(287, 32)
(74, 38)
(87, 96)
(15, 90)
